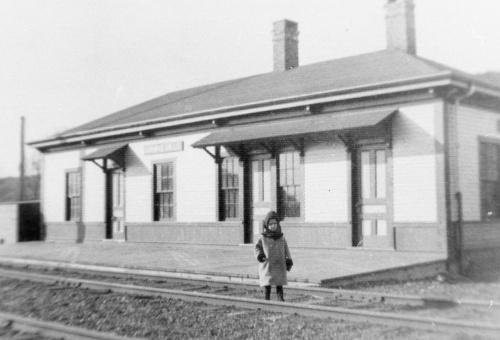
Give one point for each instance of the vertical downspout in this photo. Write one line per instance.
(459, 238)
(454, 235)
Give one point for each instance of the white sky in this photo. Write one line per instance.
(67, 62)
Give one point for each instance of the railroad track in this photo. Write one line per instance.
(181, 278)
(313, 302)
(36, 329)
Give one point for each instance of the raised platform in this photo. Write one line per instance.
(311, 266)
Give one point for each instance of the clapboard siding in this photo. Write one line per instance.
(326, 182)
(417, 145)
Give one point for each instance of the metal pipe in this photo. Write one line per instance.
(459, 240)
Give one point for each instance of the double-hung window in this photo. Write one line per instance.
(290, 188)
(164, 191)
(490, 180)
(229, 188)
(73, 195)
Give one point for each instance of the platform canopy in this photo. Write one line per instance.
(331, 122)
(110, 157)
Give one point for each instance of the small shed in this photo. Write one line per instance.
(20, 221)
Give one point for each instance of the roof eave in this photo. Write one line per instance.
(441, 79)
(480, 85)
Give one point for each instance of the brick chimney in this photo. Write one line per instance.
(400, 25)
(285, 45)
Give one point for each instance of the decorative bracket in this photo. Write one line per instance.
(348, 141)
(240, 152)
(105, 167)
(269, 148)
(313, 109)
(299, 146)
(218, 122)
(145, 134)
(217, 158)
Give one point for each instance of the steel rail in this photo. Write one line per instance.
(52, 329)
(432, 324)
(329, 293)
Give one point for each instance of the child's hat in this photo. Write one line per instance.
(271, 215)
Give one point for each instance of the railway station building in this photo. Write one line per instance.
(381, 151)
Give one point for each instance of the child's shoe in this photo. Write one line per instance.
(280, 297)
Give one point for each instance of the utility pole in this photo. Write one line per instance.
(21, 166)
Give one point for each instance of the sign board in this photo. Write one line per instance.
(163, 148)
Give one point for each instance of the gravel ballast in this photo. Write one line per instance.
(163, 318)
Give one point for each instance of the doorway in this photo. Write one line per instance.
(371, 217)
(262, 196)
(115, 205)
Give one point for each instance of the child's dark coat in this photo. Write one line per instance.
(273, 245)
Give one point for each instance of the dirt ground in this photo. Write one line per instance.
(479, 281)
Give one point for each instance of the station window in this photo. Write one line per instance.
(164, 191)
(490, 180)
(73, 195)
(290, 188)
(229, 188)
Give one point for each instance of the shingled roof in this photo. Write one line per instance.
(491, 77)
(379, 69)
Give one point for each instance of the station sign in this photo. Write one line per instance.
(163, 148)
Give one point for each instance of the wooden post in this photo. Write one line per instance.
(21, 165)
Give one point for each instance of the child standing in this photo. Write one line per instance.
(274, 257)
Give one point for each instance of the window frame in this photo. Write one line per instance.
(300, 176)
(118, 192)
(70, 195)
(156, 210)
(237, 169)
(482, 141)
(374, 178)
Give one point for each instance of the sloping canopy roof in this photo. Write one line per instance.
(296, 127)
(116, 153)
(387, 68)
(105, 152)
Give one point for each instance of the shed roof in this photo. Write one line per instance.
(297, 126)
(105, 152)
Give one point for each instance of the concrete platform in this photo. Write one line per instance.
(312, 266)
